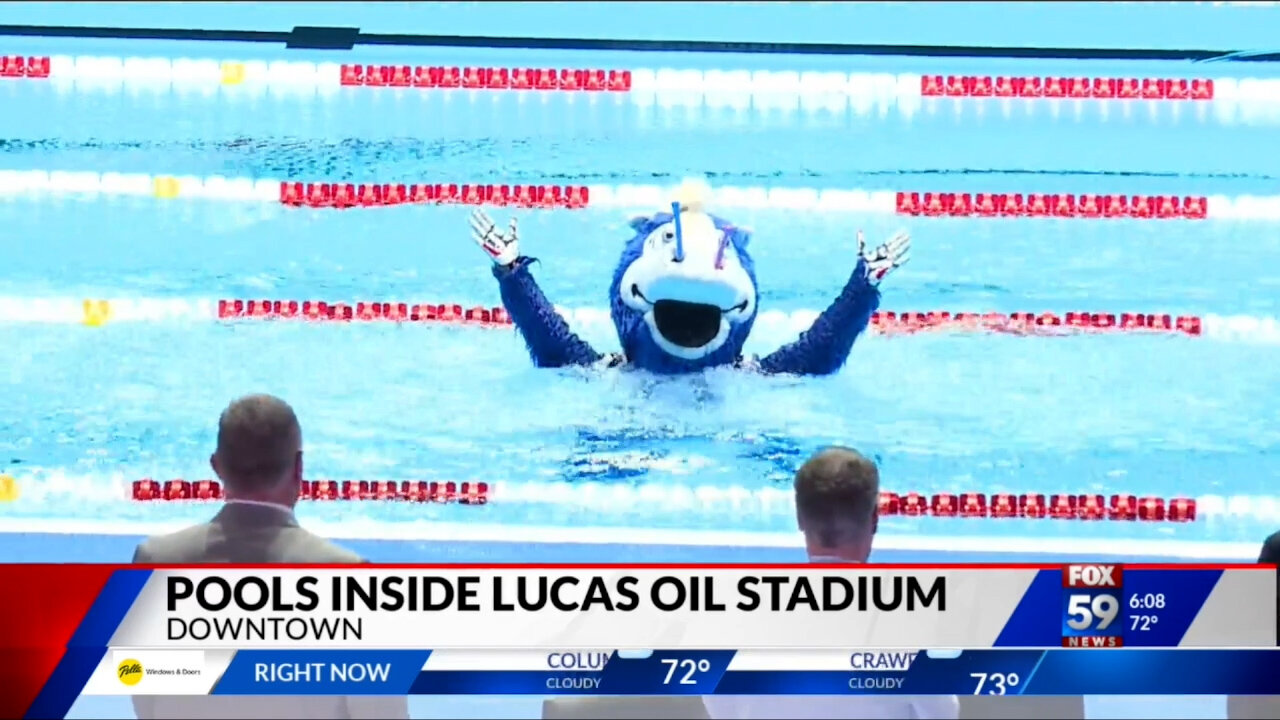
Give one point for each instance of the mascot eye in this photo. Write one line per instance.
(668, 236)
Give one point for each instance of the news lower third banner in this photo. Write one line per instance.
(125, 671)
(65, 623)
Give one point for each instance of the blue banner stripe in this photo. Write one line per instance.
(321, 672)
(1071, 672)
(1037, 620)
(1160, 605)
(66, 682)
(1157, 672)
(113, 603)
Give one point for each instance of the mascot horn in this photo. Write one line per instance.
(684, 297)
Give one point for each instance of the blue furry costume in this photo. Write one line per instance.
(686, 306)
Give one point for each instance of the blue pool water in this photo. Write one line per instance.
(1146, 415)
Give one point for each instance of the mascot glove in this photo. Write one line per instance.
(893, 254)
(504, 248)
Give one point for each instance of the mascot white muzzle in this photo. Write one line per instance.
(689, 282)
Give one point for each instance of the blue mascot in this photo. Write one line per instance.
(683, 298)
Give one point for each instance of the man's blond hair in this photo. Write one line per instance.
(837, 492)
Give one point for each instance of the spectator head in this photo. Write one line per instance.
(837, 498)
(259, 454)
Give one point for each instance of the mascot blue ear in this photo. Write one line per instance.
(639, 222)
(743, 236)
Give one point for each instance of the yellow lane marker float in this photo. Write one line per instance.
(166, 187)
(232, 73)
(96, 312)
(8, 488)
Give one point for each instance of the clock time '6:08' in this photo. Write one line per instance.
(1146, 601)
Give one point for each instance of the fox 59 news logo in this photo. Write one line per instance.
(1091, 606)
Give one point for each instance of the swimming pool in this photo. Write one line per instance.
(155, 184)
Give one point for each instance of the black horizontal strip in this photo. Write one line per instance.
(346, 38)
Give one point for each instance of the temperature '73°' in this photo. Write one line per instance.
(993, 683)
(686, 668)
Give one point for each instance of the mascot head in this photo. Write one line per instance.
(684, 291)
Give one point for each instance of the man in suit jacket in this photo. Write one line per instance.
(837, 496)
(259, 461)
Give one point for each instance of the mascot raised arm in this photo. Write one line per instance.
(684, 297)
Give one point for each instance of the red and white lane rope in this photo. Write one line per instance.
(638, 197)
(49, 488)
(1079, 88)
(671, 85)
(1126, 507)
(969, 505)
(98, 312)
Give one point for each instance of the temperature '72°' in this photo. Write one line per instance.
(994, 683)
(1142, 623)
(687, 669)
